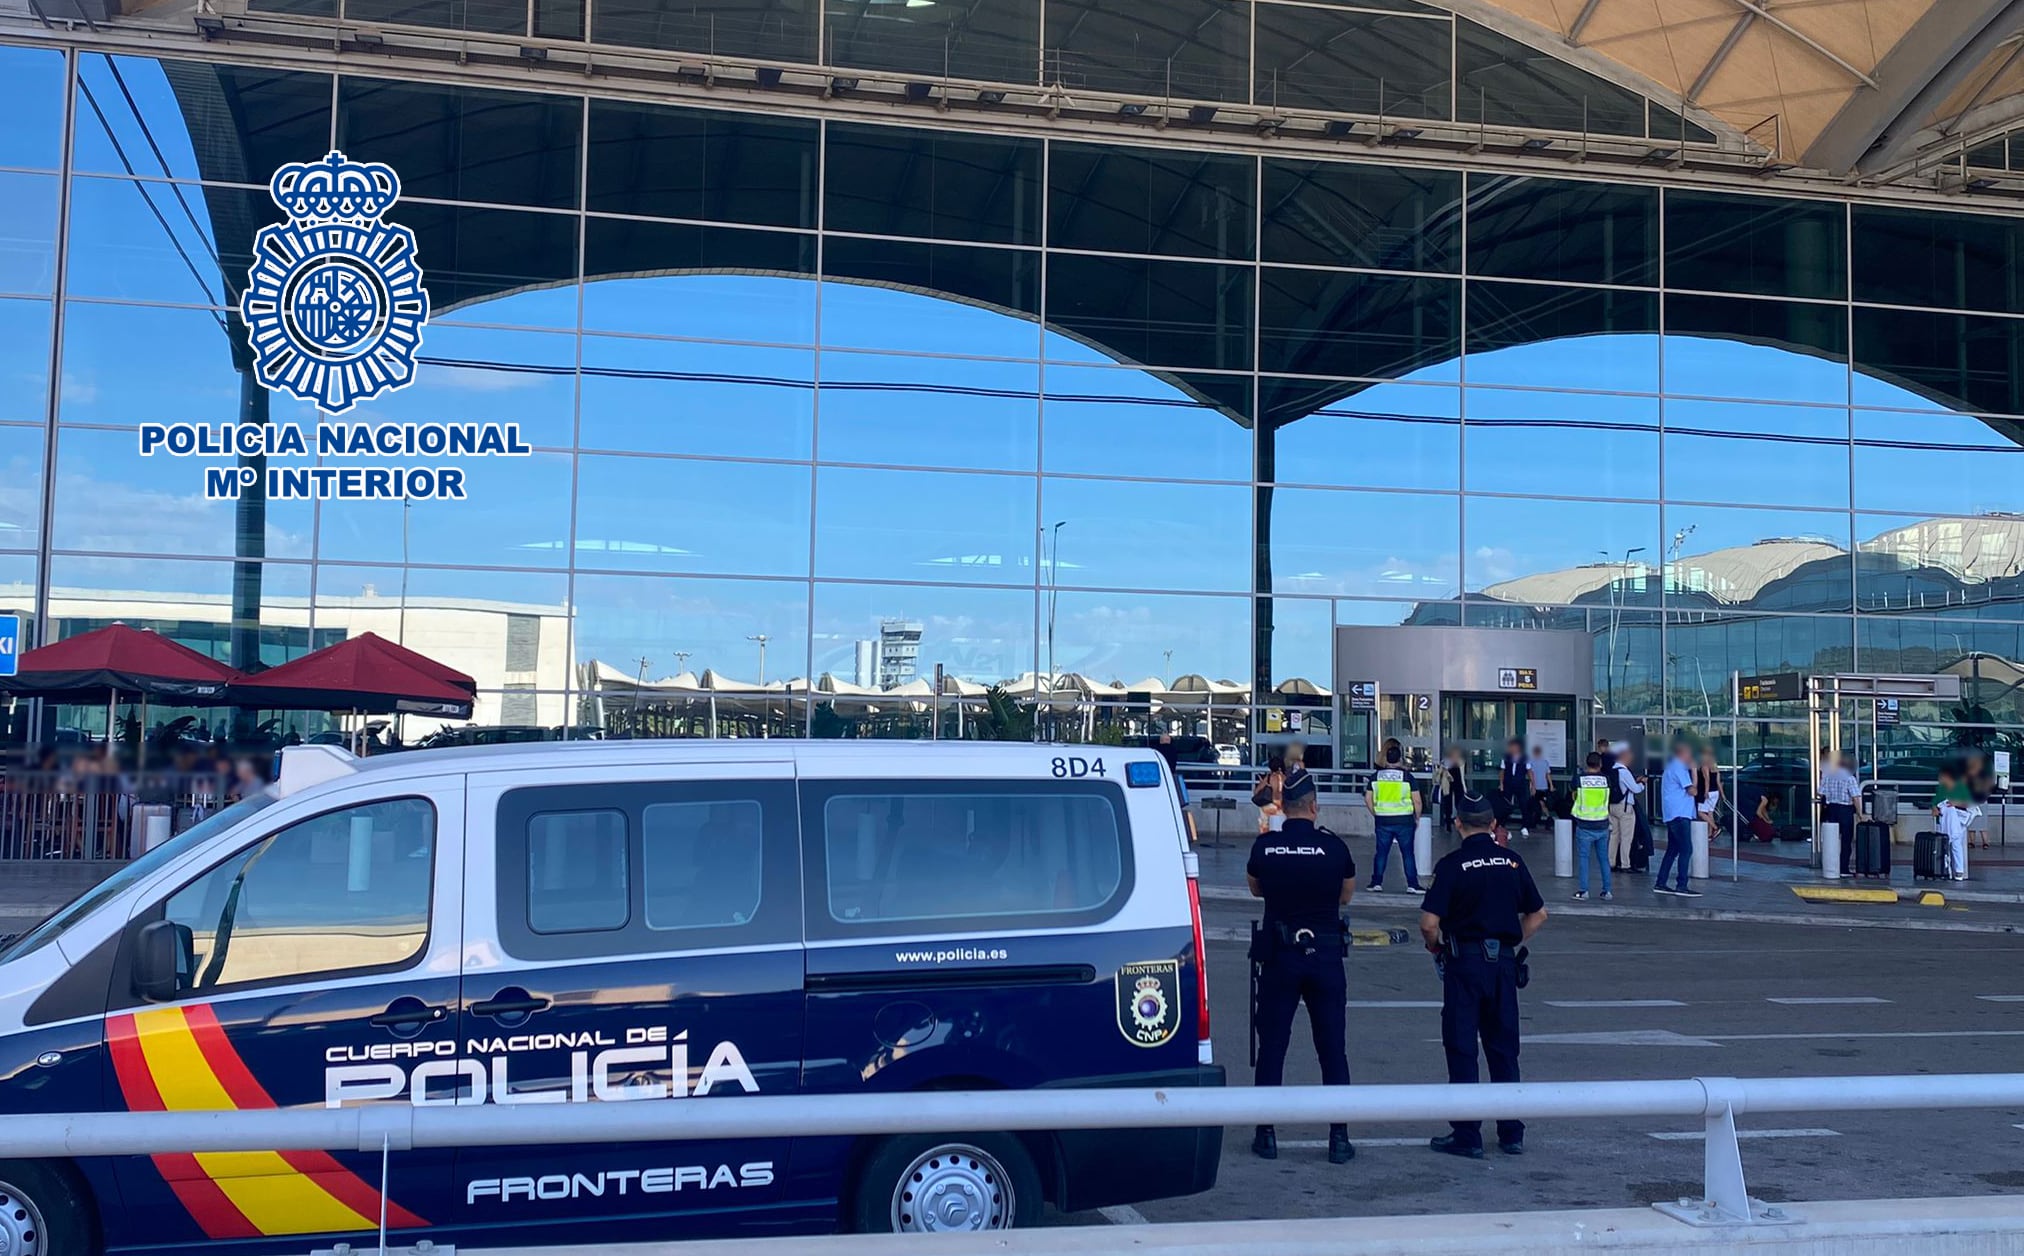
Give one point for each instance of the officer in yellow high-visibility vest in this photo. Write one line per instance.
(1394, 806)
(1594, 791)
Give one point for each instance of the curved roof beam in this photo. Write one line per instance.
(1876, 129)
(1568, 48)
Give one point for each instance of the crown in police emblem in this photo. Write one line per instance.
(334, 303)
(335, 187)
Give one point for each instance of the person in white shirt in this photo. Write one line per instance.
(1623, 808)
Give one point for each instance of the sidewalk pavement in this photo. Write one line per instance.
(1756, 889)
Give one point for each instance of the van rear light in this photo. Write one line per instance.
(1205, 1050)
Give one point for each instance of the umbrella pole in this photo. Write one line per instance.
(111, 708)
(141, 750)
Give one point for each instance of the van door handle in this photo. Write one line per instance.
(408, 1016)
(510, 1006)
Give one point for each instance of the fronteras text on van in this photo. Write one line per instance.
(951, 955)
(654, 1064)
(619, 1182)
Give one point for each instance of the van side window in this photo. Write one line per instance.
(342, 891)
(587, 869)
(576, 871)
(701, 862)
(1013, 853)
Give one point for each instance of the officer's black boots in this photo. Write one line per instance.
(1340, 1149)
(1450, 1145)
(1511, 1149)
(1265, 1143)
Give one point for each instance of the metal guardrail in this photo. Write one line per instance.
(389, 1129)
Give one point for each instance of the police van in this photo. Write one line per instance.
(620, 922)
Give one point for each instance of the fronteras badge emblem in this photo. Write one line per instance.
(1149, 1001)
(334, 304)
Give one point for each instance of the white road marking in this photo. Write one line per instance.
(1827, 1001)
(1612, 1003)
(2001, 998)
(1618, 1038)
(1321, 1144)
(1682, 1136)
(1393, 1003)
(1123, 1214)
(1907, 1033)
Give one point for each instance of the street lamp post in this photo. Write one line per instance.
(1053, 597)
(765, 706)
(1616, 617)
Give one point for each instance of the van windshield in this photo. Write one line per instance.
(89, 901)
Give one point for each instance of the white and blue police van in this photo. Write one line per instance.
(620, 922)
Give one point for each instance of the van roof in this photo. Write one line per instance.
(304, 766)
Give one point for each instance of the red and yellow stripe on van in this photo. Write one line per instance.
(177, 1059)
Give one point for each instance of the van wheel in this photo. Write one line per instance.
(43, 1212)
(946, 1183)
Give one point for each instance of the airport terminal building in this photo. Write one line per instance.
(1164, 356)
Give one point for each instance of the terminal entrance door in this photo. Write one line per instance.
(1480, 723)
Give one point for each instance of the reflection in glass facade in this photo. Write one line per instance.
(821, 406)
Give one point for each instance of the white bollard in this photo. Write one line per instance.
(1698, 866)
(153, 824)
(1423, 847)
(1563, 848)
(1830, 851)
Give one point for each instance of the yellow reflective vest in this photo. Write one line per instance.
(1390, 795)
(1591, 797)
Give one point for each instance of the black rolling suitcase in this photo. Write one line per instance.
(1930, 857)
(1872, 849)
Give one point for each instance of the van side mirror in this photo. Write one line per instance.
(163, 958)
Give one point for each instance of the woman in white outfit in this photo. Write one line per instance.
(1953, 812)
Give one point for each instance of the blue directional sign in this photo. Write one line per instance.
(10, 644)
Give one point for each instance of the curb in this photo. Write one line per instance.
(1612, 911)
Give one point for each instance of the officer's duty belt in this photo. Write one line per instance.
(1301, 938)
(1491, 949)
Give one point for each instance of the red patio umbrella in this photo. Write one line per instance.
(365, 673)
(117, 659)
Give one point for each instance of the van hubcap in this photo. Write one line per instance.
(946, 1190)
(20, 1224)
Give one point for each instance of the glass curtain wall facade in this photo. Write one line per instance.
(836, 404)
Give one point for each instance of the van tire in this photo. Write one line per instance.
(992, 1169)
(45, 1210)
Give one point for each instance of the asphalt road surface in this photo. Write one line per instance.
(1638, 999)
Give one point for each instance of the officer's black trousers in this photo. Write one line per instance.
(1479, 999)
(1288, 976)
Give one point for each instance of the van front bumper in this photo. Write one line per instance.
(1098, 1168)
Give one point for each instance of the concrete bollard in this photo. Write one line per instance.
(1563, 848)
(1830, 851)
(1698, 868)
(1423, 847)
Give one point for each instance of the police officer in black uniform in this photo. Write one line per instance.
(1306, 875)
(1482, 909)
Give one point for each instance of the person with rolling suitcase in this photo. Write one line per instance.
(1839, 794)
